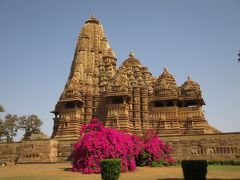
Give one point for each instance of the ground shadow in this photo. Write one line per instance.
(66, 169)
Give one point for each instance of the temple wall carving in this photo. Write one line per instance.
(224, 146)
(29, 151)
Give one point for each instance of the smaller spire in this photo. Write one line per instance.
(131, 55)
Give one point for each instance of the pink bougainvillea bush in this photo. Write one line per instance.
(155, 152)
(98, 143)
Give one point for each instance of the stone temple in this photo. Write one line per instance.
(127, 97)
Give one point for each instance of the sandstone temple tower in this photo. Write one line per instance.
(128, 97)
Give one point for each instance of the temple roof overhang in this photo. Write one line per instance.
(71, 99)
(157, 98)
(199, 101)
(117, 94)
(186, 100)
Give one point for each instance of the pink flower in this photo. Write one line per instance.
(98, 143)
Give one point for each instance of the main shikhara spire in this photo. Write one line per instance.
(127, 98)
(92, 48)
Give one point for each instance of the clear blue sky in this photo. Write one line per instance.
(197, 38)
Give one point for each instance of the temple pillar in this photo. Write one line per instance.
(144, 108)
(137, 111)
(88, 108)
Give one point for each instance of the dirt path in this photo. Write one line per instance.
(62, 171)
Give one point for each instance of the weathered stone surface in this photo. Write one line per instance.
(65, 148)
(127, 98)
(38, 151)
(9, 152)
(223, 146)
(29, 151)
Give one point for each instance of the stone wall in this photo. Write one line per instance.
(30, 151)
(38, 151)
(9, 151)
(222, 146)
(225, 146)
(65, 148)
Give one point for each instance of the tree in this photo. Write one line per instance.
(30, 124)
(38, 136)
(1, 129)
(1, 108)
(1, 122)
(10, 127)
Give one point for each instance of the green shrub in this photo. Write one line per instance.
(194, 169)
(177, 163)
(224, 162)
(110, 169)
(154, 164)
(214, 163)
(142, 159)
(160, 163)
(236, 162)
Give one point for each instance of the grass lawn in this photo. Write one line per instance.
(224, 172)
(63, 171)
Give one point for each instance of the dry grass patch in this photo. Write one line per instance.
(63, 171)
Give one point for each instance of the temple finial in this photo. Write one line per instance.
(92, 16)
(131, 54)
(92, 19)
(165, 69)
